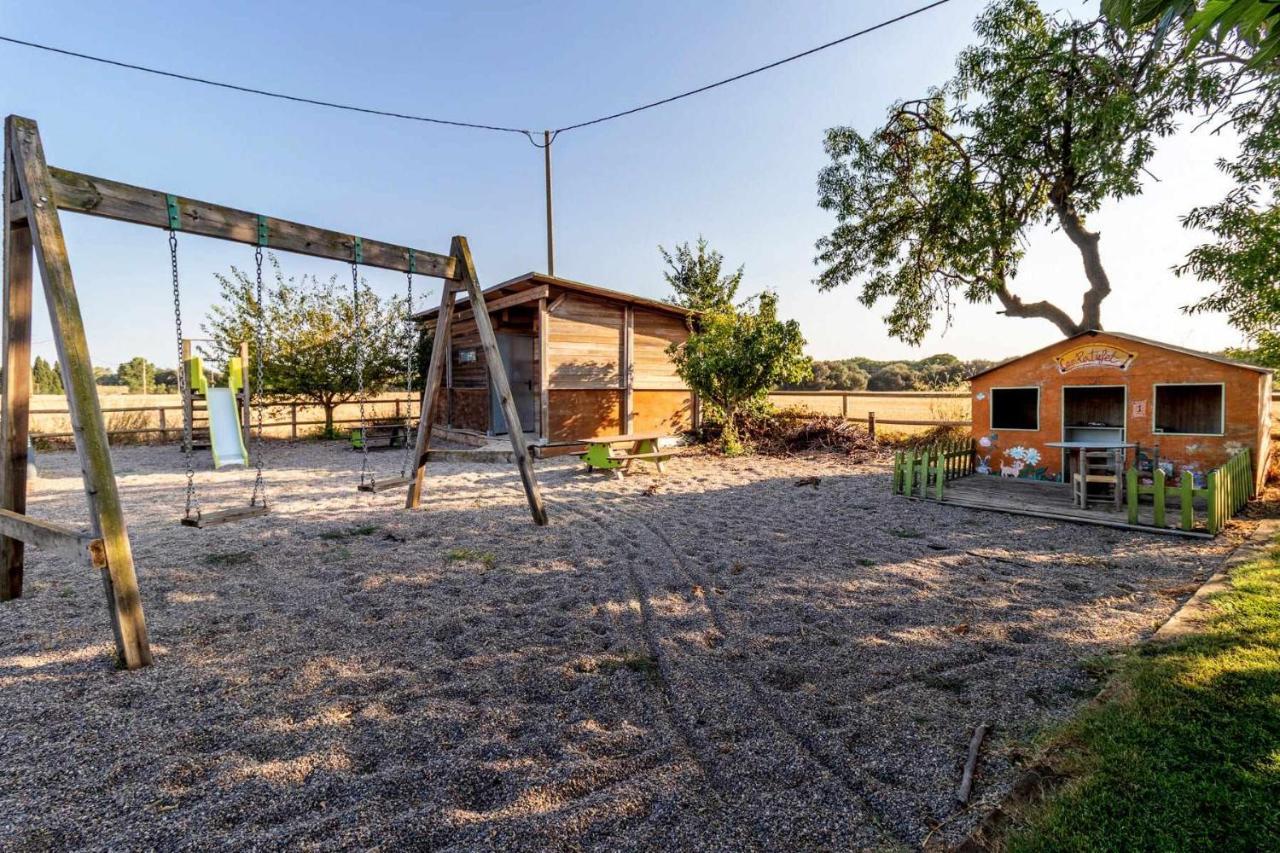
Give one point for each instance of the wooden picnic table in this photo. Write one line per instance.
(394, 431)
(602, 451)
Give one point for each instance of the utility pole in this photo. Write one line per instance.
(551, 239)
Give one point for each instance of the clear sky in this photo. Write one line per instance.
(737, 165)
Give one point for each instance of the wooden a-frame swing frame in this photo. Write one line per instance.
(34, 192)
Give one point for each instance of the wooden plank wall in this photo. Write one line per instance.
(589, 377)
(584, 344)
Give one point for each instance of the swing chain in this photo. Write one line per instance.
(259, 487)
(410, 351)
(184, 383)
(360, 345)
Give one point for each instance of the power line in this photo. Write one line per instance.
(754, 71)
(266, 93)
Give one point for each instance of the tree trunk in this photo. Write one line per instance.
(329, 406)
(1086, 242)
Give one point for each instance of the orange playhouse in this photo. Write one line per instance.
(1181, 410)
(1108, 429)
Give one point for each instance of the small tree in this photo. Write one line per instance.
(312, 333)
(46, 379)
(137, 373)
(735, 357)
(695, 277)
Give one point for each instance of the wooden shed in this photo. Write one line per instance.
(1190, 410)
(582, 361)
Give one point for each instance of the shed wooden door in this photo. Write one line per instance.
(517, 357)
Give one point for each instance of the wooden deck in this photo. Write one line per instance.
(1044, 499)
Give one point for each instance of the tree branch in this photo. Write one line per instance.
(1015, 307)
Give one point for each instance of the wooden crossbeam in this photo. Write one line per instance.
(54, 537)
(532, 295)
(81, 193)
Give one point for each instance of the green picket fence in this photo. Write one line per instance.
(1227, 489)
(925, 471)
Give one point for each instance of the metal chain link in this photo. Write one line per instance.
(411, 351)
(259, 487)
(188, 449)
(360, 344)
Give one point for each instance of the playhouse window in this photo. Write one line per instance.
(1015, 408)
(1189, 409)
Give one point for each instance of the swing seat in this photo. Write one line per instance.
(385, 485)
(224, 516)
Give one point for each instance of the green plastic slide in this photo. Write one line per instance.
(225, 437)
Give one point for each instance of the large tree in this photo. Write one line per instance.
(1240, 39)
(313, 333)
(1046, 117)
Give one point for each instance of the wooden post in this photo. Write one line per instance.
(16, 407)
(164, 430)
(628, 367)
(106, 515)
(844, 406)
(551, 240)
(544, 372)
(871, 424)
(431, 393)
(293, 420)
(498, 376)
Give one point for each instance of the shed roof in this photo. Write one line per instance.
(1207, 356)
(534, 279)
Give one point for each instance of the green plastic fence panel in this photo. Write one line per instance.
(1157, 498)
(1215, 501)
(1131, 493)
(1187, 489)
(195, 376)
(235, 374)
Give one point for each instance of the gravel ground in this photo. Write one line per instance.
(718, 659)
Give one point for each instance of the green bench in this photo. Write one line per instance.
(604, 453)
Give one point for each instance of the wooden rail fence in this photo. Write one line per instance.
(280, 417)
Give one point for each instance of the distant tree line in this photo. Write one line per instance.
(935, 373)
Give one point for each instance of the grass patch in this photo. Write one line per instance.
(350, 532)
(638, 662)
(1185, 755)
(471, 555)
(228, 559)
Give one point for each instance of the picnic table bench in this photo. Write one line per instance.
(392, 431)
(602, 451)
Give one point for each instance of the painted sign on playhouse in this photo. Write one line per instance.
(1093, 355)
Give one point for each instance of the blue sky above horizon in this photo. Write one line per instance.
(737, 165)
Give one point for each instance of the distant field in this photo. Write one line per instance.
(887, 405)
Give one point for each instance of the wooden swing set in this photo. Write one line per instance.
(34, 192)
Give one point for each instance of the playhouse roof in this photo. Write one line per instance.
(1207, 356)
(534, 279)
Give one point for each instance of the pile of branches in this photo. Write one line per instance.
(792, 431)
